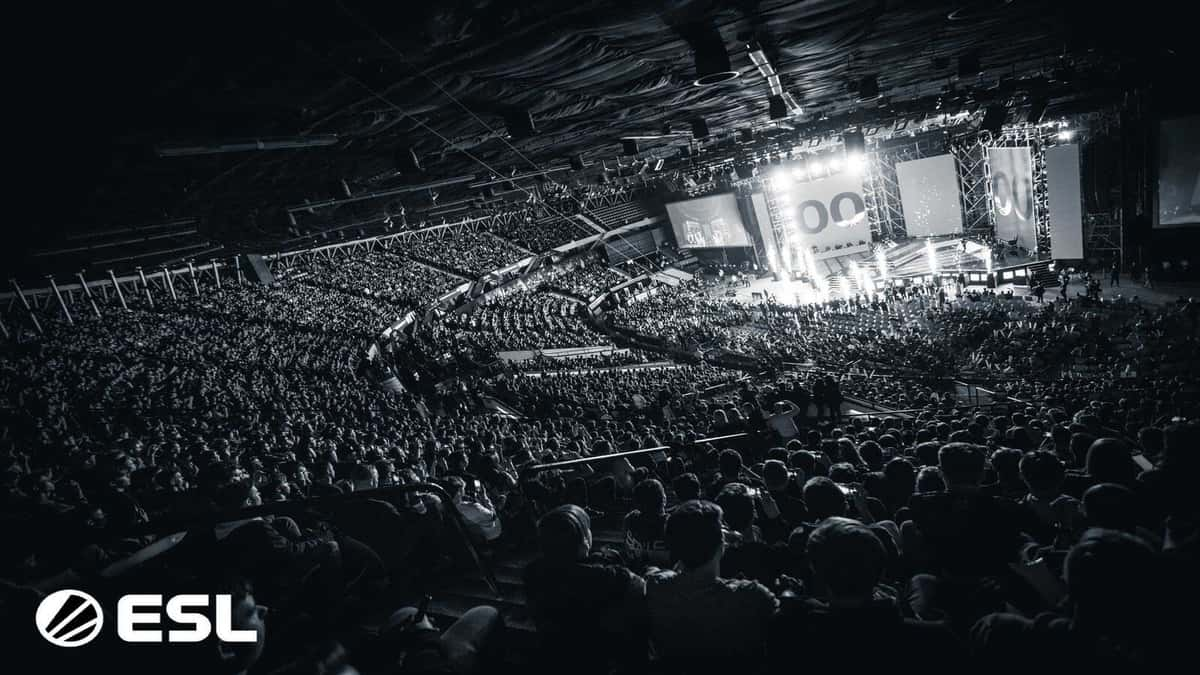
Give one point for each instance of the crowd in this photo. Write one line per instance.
(467, 253)
(1053, 531)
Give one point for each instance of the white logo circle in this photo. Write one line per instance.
(69, 618)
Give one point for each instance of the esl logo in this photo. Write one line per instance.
(71, 618)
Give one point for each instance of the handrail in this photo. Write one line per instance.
(172, 526)
(628, 453)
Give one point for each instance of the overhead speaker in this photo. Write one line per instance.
(868, 88)
(993, 119)
(629, 147)
(519, 124)
(777, 108)
(855, 142)
(577, 162)
(708, 51)
(1037, 109)
(968, 64)
(699, 128)
(407, 161)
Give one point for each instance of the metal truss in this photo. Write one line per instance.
(975, 189)
(1103, 237)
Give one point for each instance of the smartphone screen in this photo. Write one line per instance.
(1143, 463)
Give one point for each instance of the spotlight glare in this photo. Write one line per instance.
(799, 173)
(781, 178)
(1066, 135)
(835, 164)
(816, 167)
(856, 163)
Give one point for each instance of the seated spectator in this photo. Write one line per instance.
(577, 599)
(847, 605)
(645, 527)
(699, 620)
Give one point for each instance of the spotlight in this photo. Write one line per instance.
(799, 172)
(1066, 135)
(835, 164)
(856, 162)
(815, 167)
(781, 178)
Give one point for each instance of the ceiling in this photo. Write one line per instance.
(383, 77)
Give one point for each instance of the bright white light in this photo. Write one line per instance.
(931, 253)
(881, 263)
(835, 164)
(856, 163)
(799, 173)
(816, 166)
(987, 255)
(1066, 135)
(781, 178)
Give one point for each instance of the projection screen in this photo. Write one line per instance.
(1178, 172)
(1065, 202)
(708, 222)
(929, 196)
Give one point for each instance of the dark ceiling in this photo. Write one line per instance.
(107, 87)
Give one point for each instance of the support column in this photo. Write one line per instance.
(120, 296)
(61, 303)
(195, 284)
(237, 264)
(170, 284)
(25, 301)
(4, 328)
(145, 287)
(88, 292)
(216, 272)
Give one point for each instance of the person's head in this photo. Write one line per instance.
(649, 496)
(775, 475)
(694, 535)
(238, 495)
(929, 479)
(824, 498)
(1098, 571)
(847, 559)
(1108, 460)
(1043, 473)
(1151, 440)
(686, 487)
(1079, 444)
(900, 474)
(737, 505)
(565, 534)
(1110, 506)
(245, 615)
(961, 465)
(364, 477)
(730, 463)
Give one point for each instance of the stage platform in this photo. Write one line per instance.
(910, 258)
(801, 292)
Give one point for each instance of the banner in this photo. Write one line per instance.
(1065, 201)
(1012, 195)
(827, 213)
(929, 196)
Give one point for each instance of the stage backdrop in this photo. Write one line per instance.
(829, 212)
(929, 195)
(1178, 172)
(1012, 195)
(708, 222)
(1065, 202)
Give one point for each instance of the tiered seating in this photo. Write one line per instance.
(616, 215)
